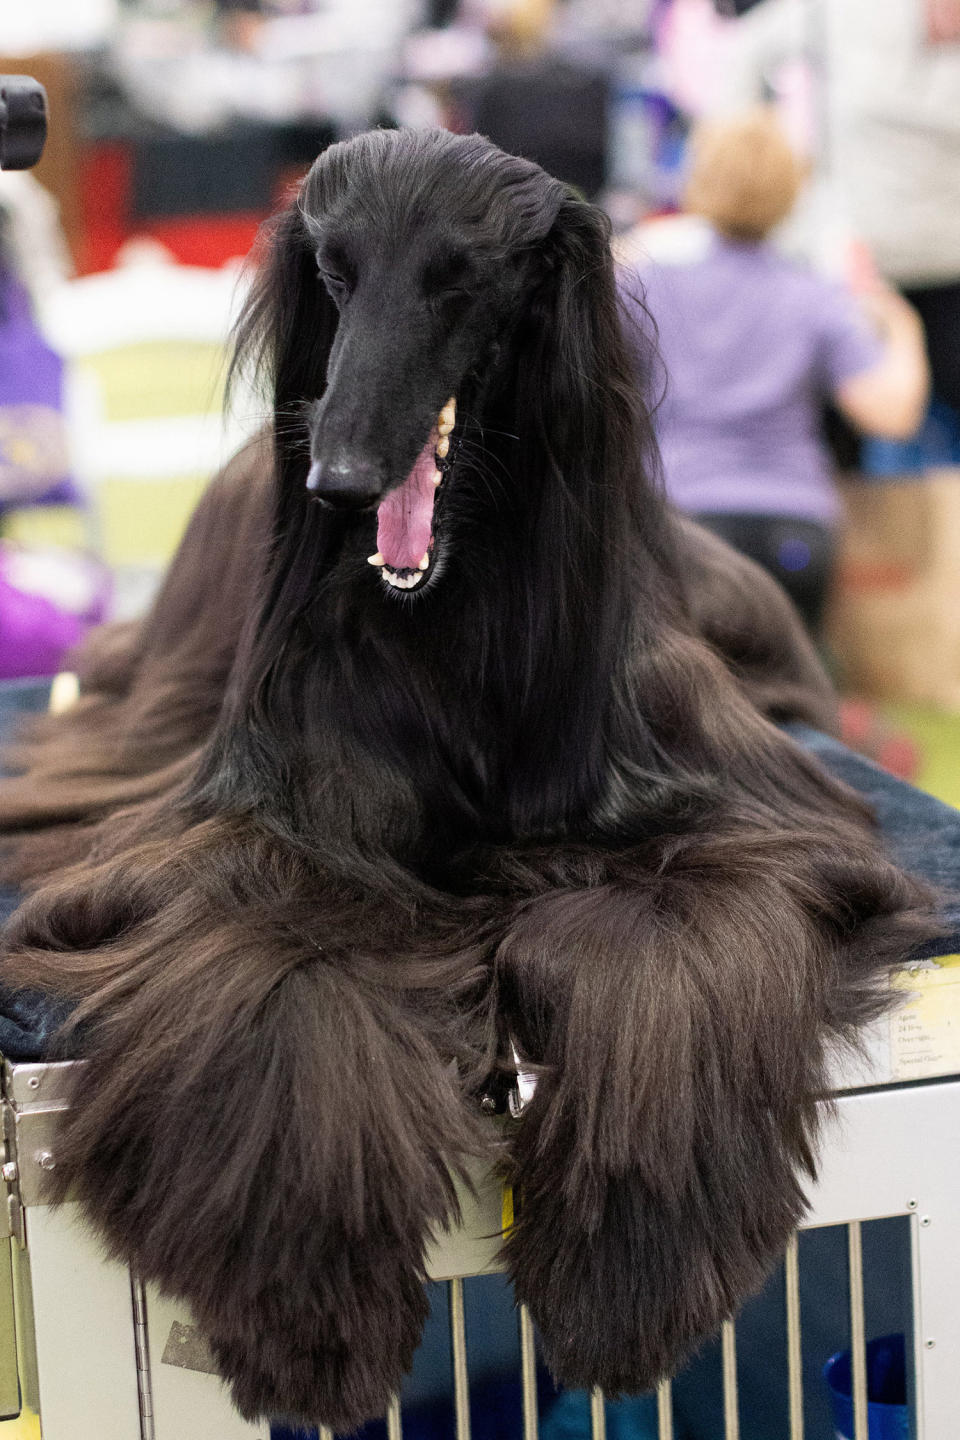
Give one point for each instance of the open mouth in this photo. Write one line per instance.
(406, 519)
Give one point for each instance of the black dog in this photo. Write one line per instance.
(424, 747)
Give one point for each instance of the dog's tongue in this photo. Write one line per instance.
(405, 518)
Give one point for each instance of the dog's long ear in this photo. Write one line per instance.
(585, 419)
(284, 335)
(589, 453)
(590, 499)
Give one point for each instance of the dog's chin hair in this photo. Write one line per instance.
(302, 858)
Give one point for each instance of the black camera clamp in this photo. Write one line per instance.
(23, 121)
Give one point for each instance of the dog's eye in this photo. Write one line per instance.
(451, 299)
(338, 285)
(448, 281)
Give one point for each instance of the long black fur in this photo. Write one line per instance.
(528, 797)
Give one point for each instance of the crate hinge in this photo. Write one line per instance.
(11, 1210)
(141, 1345)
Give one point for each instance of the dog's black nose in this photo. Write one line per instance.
(353, 485)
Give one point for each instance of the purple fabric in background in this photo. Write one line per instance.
(752, 345)
(48, 600)
(35, 634)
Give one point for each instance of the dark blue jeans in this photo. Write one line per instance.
(797, 553)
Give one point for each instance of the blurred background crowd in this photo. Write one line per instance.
(783, 178)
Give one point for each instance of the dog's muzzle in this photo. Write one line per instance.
(346, 484)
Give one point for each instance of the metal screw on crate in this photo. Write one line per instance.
(46, 1161)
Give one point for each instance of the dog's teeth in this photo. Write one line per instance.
(448, 416)
(437, 477)
(376, 559)
(424, 563)
(400, 582)
(443, 446)
(445, 427)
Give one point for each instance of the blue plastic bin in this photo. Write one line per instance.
(888, 1415)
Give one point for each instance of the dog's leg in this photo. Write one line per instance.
(681, 1018)
(266, 1122)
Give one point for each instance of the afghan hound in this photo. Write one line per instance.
(445, 736)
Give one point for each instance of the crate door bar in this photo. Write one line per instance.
(858, 1341)
(461, 1379)
(528, 1375)
(394, 1423)
(731, 1398)
(598, 1416)
(794, 1338)
(664, 1411)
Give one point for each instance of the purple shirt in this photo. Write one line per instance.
(752, 345)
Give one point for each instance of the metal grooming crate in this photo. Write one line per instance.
(99, 1357)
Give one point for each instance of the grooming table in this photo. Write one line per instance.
(99, 1357)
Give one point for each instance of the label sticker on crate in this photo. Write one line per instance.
(186, 1349)
(506, 1209)
(925, 1030)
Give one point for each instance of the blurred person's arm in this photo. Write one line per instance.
(943, 21)
(890, 399)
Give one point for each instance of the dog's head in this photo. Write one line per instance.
(425, 243)
(411, 270)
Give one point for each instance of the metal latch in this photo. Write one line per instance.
(524, 1085)
(33, 1098)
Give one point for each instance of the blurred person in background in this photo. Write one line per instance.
(753, 346)
(894, 106)
(34, 463)
(887, 83)
(32, 242)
